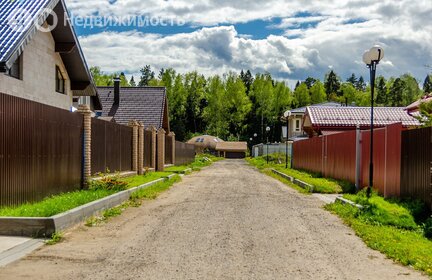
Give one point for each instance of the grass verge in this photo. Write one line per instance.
(389, 226)
(321, 185)
(55, 238)
(138, 180)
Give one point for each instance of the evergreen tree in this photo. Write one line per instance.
(132, 82)
(297, 85)
(247, 80)
(331, 85)
(352, 80)
(360, 85)
(381, 97)
(396, 93)
(427, 85)
(310, 82)
(317, 92)
(411, 91)
(146, 76)
(161, 74)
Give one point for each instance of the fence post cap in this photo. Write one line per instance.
(132, 123)
(140, 124)
(161, 130)
(171, 133)
(152, 128)
(84, 108)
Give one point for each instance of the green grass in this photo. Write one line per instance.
(285, 181)
(138, 180)
(409, 247)
(55, 204)
(154, 191)
(321, 185)
(55, 238)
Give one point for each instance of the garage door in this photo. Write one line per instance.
(235, 155)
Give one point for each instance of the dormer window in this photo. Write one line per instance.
(60, 81)
(15, 70)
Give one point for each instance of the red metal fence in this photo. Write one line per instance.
(334, 156)
(40, 150)
(111, 147)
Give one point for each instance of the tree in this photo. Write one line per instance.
(426, 113)
(427, 85)
(247, 80)
(349, 93)
(301, 95)
(161, 74)
(360, 85)
(194, 85)
(352, 80)
(411, 89)
(396, 93)
(100, 78)
(132, 82)
(146, 76)
(262, 94)
(297, 85)
(282, 98)
(317, 92)
(123, 80)
(215, 114)
(331, 85)
(381, 88)
(310, 82)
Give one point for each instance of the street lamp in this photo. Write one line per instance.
(287, 114)
(268, 130)
(372, 58)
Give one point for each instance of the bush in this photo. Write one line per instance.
(112, 183)
(428, 228)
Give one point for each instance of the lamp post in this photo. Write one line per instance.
(287, 114)
(268, 130)
(372, 58)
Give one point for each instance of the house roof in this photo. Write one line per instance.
(14, 37)
(145, 104)
(416, 105)
(232, 146)
(205, 141)
(353, 116)
(302, 110)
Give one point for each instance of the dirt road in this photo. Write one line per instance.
(226, 222)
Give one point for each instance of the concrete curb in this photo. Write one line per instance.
(186, 171)
(20, 251)
(45, 227)
(346, 201)
(298, 182)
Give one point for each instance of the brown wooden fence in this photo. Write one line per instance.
(111, 147)
(168, 149)
(416, 164)
(184, 153)
(40, 150)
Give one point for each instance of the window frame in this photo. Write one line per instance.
(297, 125)
(60, 87)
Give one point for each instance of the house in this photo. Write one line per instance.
(148, 105)
(296, 119)
(205, 143)
(414, 108)
(40, 65)
(330, 120)
(232, 149)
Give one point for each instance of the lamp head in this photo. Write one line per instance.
(376, 53)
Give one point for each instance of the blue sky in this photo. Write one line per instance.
(289, 39)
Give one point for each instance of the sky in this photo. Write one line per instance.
(289, 39)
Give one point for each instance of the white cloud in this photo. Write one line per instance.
(332, 33)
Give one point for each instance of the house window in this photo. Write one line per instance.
(60, 81)
(297, 126)
(15, 70)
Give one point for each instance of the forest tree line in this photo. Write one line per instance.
(235, 106)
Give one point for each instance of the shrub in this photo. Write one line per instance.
(112, 183)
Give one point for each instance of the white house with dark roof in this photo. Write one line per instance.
(44, 66)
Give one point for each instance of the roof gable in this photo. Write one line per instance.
(145, 104)
(15, 37)
(231, 146)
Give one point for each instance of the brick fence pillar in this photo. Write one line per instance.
(153, 146)
(160, 150)
(172, 135)
(140, 148)
(134, 126)
(86, 168)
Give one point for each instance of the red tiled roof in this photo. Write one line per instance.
(417, 104)
(353, 116)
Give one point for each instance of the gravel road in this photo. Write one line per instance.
(227, 222)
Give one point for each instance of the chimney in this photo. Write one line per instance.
(116, 91)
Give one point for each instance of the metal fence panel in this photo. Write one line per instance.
(185, 153)
(40, 150)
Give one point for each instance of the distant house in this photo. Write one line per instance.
(148, 105)
(296, 119)
(205, 143)
(232, 149)
(414, 108)
(330, 120)
(46, 67)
